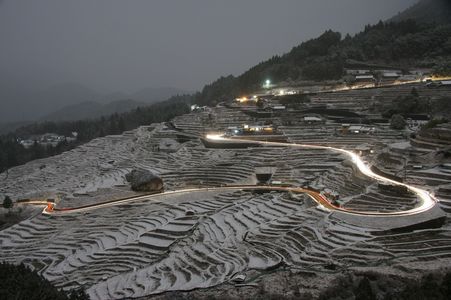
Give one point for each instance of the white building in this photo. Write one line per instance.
(364, 78)
(312, 119)
(357, 72)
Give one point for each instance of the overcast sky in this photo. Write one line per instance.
(125, 45)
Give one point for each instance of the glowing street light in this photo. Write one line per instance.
(267, 83)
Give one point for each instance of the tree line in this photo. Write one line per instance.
(12, 153)
(21, 283)
(405, 43)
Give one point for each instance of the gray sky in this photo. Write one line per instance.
(125, 45)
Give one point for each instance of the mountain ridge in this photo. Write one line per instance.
(22, 105)
(426, 11)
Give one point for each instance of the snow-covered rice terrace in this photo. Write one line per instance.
(202, 239)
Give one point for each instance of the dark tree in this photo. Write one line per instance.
(7, 202)
(364, 290)
(397, 122)
(20, 283)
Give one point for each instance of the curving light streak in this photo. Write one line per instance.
(427, 200)
(50, 208)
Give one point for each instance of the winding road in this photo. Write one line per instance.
(426, 200)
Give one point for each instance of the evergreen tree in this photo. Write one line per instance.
(397, 122)
(7, 202)
(364, 290)
(20, 283)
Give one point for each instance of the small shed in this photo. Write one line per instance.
(390, 75)
(364, 78)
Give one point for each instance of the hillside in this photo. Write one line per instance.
(68, 102)
(12, 153)
(403, 45)
(201, 238)
(427, 11)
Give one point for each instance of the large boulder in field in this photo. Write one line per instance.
(144, 181)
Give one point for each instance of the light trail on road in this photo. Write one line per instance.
(427, 200)
(51, 208)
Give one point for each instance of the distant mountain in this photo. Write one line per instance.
(112, 97)
(112, 103)
(68, 101)
(20, 103)
(427, 11)
(59, 96)
(65, 94)
(91, 109)
(120, 106)
(83, 110)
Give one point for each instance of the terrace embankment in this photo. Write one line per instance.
(203, 239)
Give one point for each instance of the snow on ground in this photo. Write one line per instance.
(201, 239)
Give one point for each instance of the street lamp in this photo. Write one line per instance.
(267, 83)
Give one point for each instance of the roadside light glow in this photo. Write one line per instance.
(214, 137)
(242, 99)
(267, 83)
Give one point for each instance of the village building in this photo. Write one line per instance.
(357, 72)
(357, 129)
(312, 120)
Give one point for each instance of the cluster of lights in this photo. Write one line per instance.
(246, 99)
(284, 92)
(257, 128)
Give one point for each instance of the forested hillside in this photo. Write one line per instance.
(20, 283)
(427, 11)
(402, 44)
(12, 153)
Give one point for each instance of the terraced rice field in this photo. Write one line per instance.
(177, 243)
(203, 239)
